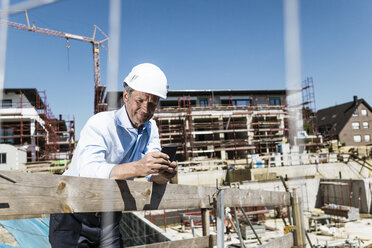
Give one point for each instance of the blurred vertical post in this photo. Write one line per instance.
(220, 208)
(113, 53)
(293, 71)
(3, 39)
(112, 82)
(4, 6)
(298, 220)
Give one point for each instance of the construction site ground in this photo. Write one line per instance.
(355, 232)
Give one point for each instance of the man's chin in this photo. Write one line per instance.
(142, 121)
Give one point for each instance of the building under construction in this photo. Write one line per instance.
(221, 124)
(224, 124)
(27, 121)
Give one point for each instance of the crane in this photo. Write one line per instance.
(99, 90)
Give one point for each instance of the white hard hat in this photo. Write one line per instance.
(227, 210)
(148, 78)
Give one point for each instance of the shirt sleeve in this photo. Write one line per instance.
(90, 154)
(154, 142)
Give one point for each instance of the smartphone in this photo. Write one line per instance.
(170, 150)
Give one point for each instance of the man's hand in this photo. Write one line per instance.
(165, 175)
(171, 171)
(151, 163)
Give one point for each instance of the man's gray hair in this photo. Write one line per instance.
(128, 89)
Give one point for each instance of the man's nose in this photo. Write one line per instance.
(145, 106)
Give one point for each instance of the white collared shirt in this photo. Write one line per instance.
(108, 139)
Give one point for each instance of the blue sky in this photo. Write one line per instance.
(200, 44)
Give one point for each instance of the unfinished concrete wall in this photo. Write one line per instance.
(354, 193)
(350, 170)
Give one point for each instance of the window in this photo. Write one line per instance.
(7, 103)
(355, 125)
(203, 102)
(323, 118)
(275, 100)
(355, 113)
(365, 124)
(4, 135)
(2, 158)
(357, 138)
(367, 138)
(334, 116)
(241, 102)
(363, 112)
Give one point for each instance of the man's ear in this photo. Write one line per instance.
(125, 96)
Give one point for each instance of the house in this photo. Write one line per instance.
(27, 121)
(12, 158)
(349, 123)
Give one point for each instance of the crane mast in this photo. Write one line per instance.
(99, 90)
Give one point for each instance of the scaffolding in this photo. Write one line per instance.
(28, 122)
(239, 125)
(223, 132)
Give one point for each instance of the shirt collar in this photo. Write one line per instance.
(122, 119)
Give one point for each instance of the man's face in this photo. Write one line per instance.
(140, 107)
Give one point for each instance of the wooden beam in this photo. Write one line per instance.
(28, 194)
(42, 169)
(285, 241)
(200, 242)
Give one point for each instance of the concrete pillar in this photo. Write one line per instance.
(33, 143)
(249, 126)
(222, 136)
(187, 138)
(205, 222)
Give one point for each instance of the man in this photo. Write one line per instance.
(121, 144)
(228, 224)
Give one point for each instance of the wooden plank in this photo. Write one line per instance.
(36, 194)
(285, 241)
(200, 242)
(40, 169)
(245, 197)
